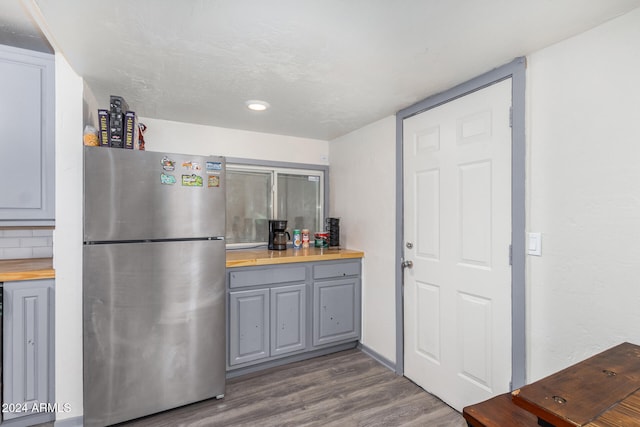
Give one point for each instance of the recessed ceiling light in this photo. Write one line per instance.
(257, 105)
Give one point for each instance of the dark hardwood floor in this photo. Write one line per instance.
(342, 389)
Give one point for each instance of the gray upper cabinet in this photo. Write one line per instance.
(27, 127)
(28, 348)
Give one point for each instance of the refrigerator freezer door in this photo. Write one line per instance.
(154, 327)
(142, 195)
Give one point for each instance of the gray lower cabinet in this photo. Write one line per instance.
(28, 349)
(291, 309)
(266, 322)
(336, 311)
(288, 319)
(249, 326)
(27, 127)
(336, 302)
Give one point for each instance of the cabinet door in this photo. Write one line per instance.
(248, 326)
(336, 311)
(288, 319)
(27, 128)
(27, 335)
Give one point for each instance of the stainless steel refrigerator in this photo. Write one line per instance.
(153, 282)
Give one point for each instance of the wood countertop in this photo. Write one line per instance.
(42, 268)
(253, 257)
(26, 269)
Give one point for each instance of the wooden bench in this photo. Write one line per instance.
(499, 412)
(601, 391)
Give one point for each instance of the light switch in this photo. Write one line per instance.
(534, 244)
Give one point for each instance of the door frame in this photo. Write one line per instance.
(516, 71)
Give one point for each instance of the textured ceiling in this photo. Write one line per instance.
(327, 67)
(18, 29)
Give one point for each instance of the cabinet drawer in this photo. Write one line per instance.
(323, 271)
(266, 276)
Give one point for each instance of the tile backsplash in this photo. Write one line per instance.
(20, 243)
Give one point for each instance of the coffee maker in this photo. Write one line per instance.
(278, 235)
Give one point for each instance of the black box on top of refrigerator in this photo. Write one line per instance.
(117, 109)
(103, 128)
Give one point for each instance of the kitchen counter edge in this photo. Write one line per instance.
(13, 270)
(254, 257)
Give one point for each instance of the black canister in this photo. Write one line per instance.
(332, 225)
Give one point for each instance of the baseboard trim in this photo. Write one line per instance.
(377, 357)
(29, 420)
(70, 422)
(285, 360)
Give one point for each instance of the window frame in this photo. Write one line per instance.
(281, 167)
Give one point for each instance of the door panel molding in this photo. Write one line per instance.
(516, 71)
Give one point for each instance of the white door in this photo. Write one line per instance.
(457, 216)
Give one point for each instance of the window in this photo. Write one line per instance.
(256, 194)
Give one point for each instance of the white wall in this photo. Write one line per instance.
(90, 106)
(584, 195)
(67, 239)
(363, 189)
(177, 137)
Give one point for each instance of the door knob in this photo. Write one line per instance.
(406, 264)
